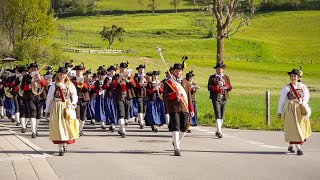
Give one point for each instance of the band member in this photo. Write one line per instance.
(155, 115)
(219, 86)
(63, 126)
(193, 89)
(2, 81)
(141, 93)
(124, 91)
(99, 94)
(109, 100)
(177, 95)
(34, 94)
(8, 99)
(83, 96)
(48, 77)
(92, 102)
(296, 124)
(24, 114)
(168, 75)
(15, 77)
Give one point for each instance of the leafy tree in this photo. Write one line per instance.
(223, 15)
(153, 5)
(66, 29)
(175, 4)
(111, 33)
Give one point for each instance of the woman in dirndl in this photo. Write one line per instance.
(100, 115)
(296, 123)
(92, 102)
(193, 88)
(61, 103)
(155, 115)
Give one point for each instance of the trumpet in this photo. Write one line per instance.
(127, 74)
(194, 86)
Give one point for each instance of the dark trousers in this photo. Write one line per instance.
(123, 107)
(81, 109)
(16, 104)
(142, 105)
(178, 121)
(34, 108)
(23, 109)
(219, 106)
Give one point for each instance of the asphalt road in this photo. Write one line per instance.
(240, 154)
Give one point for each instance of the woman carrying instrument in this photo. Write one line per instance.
(193, 89)
(293, 104)
(155, 115)
(99, 93)
(61, 103)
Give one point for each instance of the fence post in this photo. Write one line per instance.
(267, 107)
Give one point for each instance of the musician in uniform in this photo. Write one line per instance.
(141, 94)
(109, 100)
(23, 112)
(34, 94)
(177, 94)
(219, 86)
(83, 96)
(168, 75)
(193, 89)
(124, 91)
(155, 115)
(92, 102)
(99, 94)
(2, 80)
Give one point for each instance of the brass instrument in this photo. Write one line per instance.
(20, 91)
(7, 92)
(80, 81)
(36, 89)
(194, 86)
(127, 74)
(156, 84)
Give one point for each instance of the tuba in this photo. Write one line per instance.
(37, 89)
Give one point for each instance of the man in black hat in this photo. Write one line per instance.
(124, 91)
(83, 96)
(219, 86)
(141, 93)
(34, 95)
(23, 113)
(177, 94)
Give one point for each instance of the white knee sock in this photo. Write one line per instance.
(17, 114)
(60, 147)
(122, 125)
(1, 111)
(23, 123)
(218, 124)
(33, 125)
(81, 125)
(298, 146)
(175, 136)
(181, 135)
(38, 122)
(103, 123)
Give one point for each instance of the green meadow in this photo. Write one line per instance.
(257, 59)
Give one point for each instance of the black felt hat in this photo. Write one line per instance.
(94, 75)
(63, 70)
(220, 65)
(295, 71)
(189, 74)
(23, 68)
(112, 68)
(102, 72)
(123, 65)
(177, 66)
(33, 65)
(101, 68)
(149, 73)
(49, 68)
(88, 71)
(141, 66)
(155, 73)
(68, 65)
(78, 67)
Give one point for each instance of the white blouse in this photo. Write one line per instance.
(50, 95)
(286, 89)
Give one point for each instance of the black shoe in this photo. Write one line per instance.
(152, 128)
(18, 124)
(23, 130)
(112, 128)
(93, 123)
(219, 135)
(80, 133)
(122, 134)
(290, 149)
(188, 130)
(13, 120)
(156, 130)
(61, 153)
(126, 123)
(177, 152)
(299, 152)
(33, 135)
(141, 126)
(103, 127)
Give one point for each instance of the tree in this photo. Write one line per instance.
(225, 13)
(175, 4)
(27, 23)
(153, 5)
(111, 33)
(141, 3)
(66, 29)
